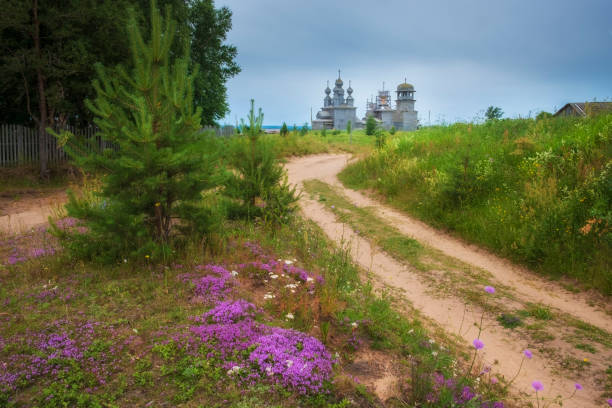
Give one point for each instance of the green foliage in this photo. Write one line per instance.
(536, 191)
(323, 132)
(509, 321)
(211, 60)
(258, 184)
(381, 139)
(494, 113)
(392, 130)
(349, 127)
(336, 132)
(304, 130)
(544, 115)
(161, 163)
(371, 126)
(284, 130)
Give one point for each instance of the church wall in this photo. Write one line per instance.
(387, 119)
(343, 115)
(410, 120)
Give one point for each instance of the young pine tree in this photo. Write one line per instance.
(258, 184)
(153, 179)
(284, 130)
(371, 126)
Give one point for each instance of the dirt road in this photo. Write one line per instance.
(503, 347)
(20, 212)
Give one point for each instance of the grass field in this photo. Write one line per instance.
(538, 192)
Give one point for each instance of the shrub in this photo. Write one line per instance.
(392, 130)
(160, 163)
(304, 130)
(371, 126)
(284, 130)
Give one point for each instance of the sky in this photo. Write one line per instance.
(462, 56)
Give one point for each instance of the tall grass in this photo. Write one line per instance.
(538, 192)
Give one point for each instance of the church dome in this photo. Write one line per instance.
(405, 87)
(339, 83)
(323, 115)
(327, 90)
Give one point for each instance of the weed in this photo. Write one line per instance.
(509, 321)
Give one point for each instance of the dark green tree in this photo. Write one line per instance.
(392, 130)
(304, 130)
(494, 113)
(544, 115)
(161, 163)
(284, 130)
(47, 53)
(371, 126)
(215, 58)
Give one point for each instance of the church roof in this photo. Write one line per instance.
(405, 87)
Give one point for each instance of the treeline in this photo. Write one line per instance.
(49, 50)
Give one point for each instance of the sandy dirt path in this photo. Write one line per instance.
(31, 210)
(501, 347)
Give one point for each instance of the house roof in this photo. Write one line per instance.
(581, 107)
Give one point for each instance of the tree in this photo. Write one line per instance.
(493, 113)
(371, 126)
(284, 130)
(161, 164)
(214, 58)
(304, 130)
(259, 182)
(47, 53)
(544, 115)
(392, 130)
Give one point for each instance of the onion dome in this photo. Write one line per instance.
(339, 83)
(405, 87)
(349, 90)
(323, 115)
(327, 90)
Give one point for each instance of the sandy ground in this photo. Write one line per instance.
(20, 212)
(503, 349)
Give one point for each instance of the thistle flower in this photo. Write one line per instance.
(537, 386)
(578, 386)
(489, 289)
(478, 344)
(609, 401)
(527, 354)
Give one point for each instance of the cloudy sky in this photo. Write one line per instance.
(461, 55)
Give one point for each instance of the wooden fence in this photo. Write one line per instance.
(19, 144)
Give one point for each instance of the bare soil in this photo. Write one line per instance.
(22, 210)
(503, 348)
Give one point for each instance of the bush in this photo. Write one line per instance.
(160, 163)
(371, 126)
(392, 130)
(284, 130)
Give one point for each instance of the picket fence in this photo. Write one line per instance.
(19, 144)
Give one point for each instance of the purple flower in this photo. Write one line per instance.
(478, 344)
(489, 289)
(527, 354)
(578, 386)
(609, 401)
(537, 386)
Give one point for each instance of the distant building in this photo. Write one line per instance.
(403, 117)
(584, 109)
(337, 111)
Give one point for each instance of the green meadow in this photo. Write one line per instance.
(538, 192)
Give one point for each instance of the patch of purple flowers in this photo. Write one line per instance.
(210, 288)
(285, 357)
(45, 353)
